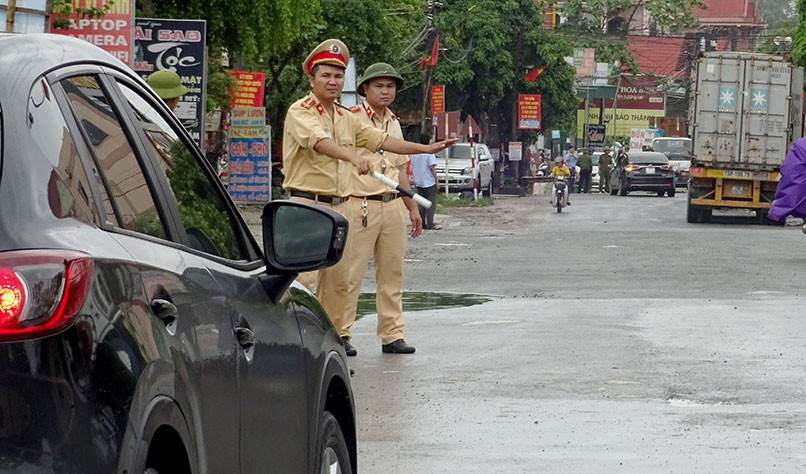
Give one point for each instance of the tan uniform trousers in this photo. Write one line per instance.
(384, 238)
(331, 284)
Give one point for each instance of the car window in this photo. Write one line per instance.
(649, 159)
(69, 194)
(210, 227)
(131, 205)
(680, 146)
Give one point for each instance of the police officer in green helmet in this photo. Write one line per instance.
(168, 86)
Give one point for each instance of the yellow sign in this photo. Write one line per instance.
(626, 120)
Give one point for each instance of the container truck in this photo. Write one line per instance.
(747, 111)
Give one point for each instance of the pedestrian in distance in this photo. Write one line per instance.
(320, 139)
(571, 162)
(585, 163)
(167, 85)
(378, 226)
(424, 168)
(605, 163)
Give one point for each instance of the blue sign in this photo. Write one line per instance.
(759, 100)
(555, 134)
(249, 167)
(727, 99)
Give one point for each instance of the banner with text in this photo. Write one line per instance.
(179, 46)
(112, 32)
(437, 99)
(625, 120)
(515, 151)
(249, 164)
(529, 111)
(248, 91)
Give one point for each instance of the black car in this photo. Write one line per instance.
(643, 171)
(141, 327)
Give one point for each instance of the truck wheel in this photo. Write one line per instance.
(694, 214)
(671, 192)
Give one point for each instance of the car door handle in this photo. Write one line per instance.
(246, 337)
(165, 310)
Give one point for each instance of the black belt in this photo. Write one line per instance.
(334, 200)
(385, 197)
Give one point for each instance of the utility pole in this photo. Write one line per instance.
(11, 9)
(428, 79)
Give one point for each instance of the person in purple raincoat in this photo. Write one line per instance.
(790, 197)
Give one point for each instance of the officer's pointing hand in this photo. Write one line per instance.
(439, 146)
(363, 165)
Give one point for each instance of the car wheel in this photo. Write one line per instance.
(661, 193)
(332, 453)
(671, 192)
(488, 191)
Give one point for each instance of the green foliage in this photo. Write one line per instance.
(786, 28)
(455, 200)
(63, 9)
(594, 16)
(777, 13)
(799, 43)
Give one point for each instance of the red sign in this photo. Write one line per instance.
(437, 99)
(529, 111)
(114, 32)
(248, 91)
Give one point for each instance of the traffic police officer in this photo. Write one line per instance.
(585, 163)
(320, 138)
(605, 162)
(378, 226)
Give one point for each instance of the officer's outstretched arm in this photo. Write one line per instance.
(329, 148)
(402, 147)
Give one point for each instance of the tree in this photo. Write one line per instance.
(776, 12)
(599, 16)
(799, 44)
(491, 45)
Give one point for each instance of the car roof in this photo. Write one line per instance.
(25, 57)
(647, 155)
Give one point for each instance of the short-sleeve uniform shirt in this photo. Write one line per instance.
(306, 123)
(388, 123)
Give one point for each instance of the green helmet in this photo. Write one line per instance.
(379, 70)
(167, 84)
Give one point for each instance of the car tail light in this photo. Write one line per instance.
(41, 291)
(667, 167)
(631, 168)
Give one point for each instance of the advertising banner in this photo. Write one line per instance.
(515, 151)
(249, 117)
(179, 46)
(112, 32)
(437, 99)
(529, 111)
(638, 101)
(595, 135)
(637, 137)
(248, 91)
(249, 164)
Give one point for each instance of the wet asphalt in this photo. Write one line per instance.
(617, 339)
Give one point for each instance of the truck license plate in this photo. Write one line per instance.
(650, 170)
(738, 174)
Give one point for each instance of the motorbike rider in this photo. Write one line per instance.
(561, 169)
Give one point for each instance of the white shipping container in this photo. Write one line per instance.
(747, 110)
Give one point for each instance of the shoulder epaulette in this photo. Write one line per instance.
(355, 108)
(307, 103)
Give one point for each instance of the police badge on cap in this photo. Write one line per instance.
(331, 51)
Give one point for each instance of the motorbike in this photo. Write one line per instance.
(559, 192)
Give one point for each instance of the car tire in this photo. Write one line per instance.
(671, 192)
(332, 453)
(488, 191)
(660, 193)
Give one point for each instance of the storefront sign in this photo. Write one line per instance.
(248, 91)
(637, 137)
(113, 32)
(515, 151)
(249, 164)
(179, 46)
(529, 111)
(249, 117)
(437, 99)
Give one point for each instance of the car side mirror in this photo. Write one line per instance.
(300, 237)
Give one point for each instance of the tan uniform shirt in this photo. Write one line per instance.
(389, 123)
(306, 123)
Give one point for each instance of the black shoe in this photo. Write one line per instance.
(397, 347)
(348, 348)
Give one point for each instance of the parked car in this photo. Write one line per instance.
(678, 150)
(644, 171)
(142, 328)
(461, 171)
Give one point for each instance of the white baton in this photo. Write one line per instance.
(408, 192)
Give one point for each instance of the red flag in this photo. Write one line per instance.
(532, 75)
(432, 60)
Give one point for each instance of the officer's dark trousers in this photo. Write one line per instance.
(585, 180)
(427, 215)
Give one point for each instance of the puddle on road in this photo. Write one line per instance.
(420, 301)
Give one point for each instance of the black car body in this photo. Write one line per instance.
(643, 171)
(141, 328)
